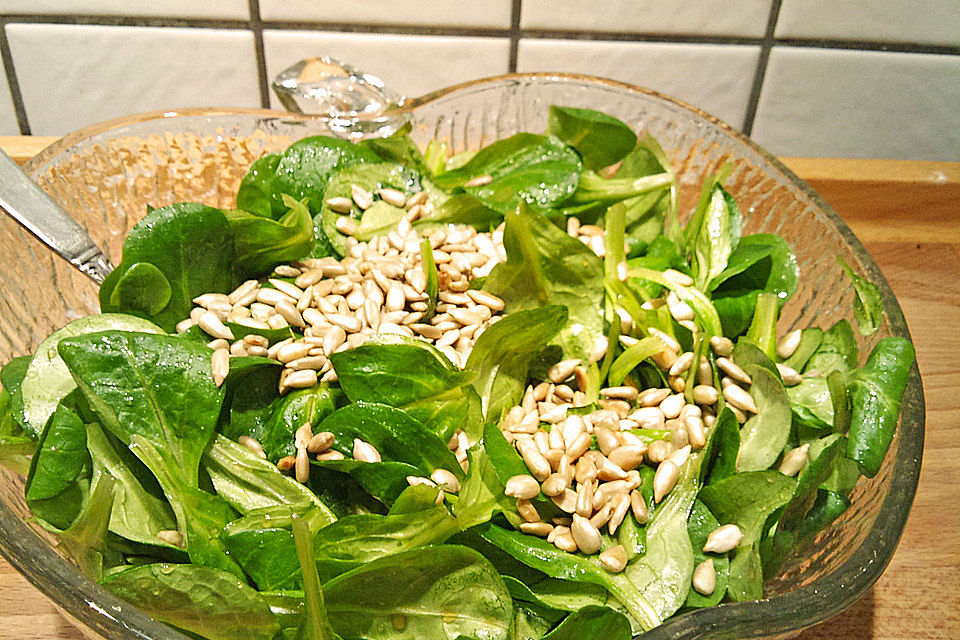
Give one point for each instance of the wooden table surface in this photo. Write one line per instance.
(908, 216)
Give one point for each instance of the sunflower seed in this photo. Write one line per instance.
(705, 394)
(350, 324)
(555, 484)
(620, 393)
(619, 513)
(445, 480)
(586, 470)
(220, 365)
(219, 343)
(478, 181)
(346, 226)
(721, 346)
(695, 433)
(585, 535)
(540, 529)
(737, 397)
(682, 363)
(606, 440)
(535, 462)
(578, 447)
(789, 375)
(672, 405)
(171, 537)
(302, 435)
(364, 451)
(289, 313)
(486, 299)
(627, 456)
(602, 516)
(302, 466)
(527, 511)
(676, 277)
(393, 197)
(639, 507)
(362, 197)
(566, 501)
(253, 445)
(562, 370)
(211, 324)
(664, 479)
(272, 297)
(788, 344)
(292, 351)
(705, 577)
(565, 542)
(301, 379)
(723, 539)
(608, 471)
(212, 301)
(733, 370)
(523, 487)
(333, 339)
(682, 312)
(245, 294)
(340, 204)
(320, 442)
(794, 460)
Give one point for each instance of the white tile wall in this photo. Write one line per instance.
(929, 21)
(713, 17)
(716, 78)
(8, 118)
(410, 65)
(825, 102)
(887, 83)
(233, 9)
(72, 76)
(489, 13)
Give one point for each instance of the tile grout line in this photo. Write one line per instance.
(16, 96)
(515, 12)
(869, 45)
(766, 45)
(256, 26)
(485, 32)
(617, 36)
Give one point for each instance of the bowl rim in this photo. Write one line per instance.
(805, 606)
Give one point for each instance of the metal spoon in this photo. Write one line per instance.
(28, 204)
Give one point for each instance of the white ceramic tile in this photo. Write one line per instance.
(716, 78)
(489, 13)
(929, 21)
(8, 118)
(235, 9)
(409, 65)
(714, 17)
(825, 102)
(72, 76)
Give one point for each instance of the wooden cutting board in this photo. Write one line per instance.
(908, 216)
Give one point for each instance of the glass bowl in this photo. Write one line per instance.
(105, 176)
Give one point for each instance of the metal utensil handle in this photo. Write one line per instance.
(28, 204)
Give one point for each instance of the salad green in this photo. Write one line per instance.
(495, 395)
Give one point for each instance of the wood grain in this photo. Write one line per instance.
(908, 216)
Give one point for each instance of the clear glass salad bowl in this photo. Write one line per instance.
(105, 176)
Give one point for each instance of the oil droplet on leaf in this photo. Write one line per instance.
(399, 621)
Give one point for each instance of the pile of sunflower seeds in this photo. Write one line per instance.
(379, 287)
(597, 485)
